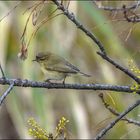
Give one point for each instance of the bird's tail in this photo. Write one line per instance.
(84, 74)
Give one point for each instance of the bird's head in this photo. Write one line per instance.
(42, 56)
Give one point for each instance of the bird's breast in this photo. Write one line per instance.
(53, 74)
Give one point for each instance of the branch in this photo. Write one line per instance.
(114, 112)
(71, 16)
(28, 83)
(126, 71)
(109, 8)
(109, 126)
(6, 93)
(134, 19)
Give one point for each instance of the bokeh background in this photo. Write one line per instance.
(84, 109)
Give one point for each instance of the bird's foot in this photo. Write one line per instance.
(64, 81)
(48, 80)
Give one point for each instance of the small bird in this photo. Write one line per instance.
(56, 67)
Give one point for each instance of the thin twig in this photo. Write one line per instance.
(28, 83)
(111, 124)
(6, 93)
(118, 66)
(10, 11)
(32, 6)
(114, 112)
(129, 33)
(25, 28)
(109, 8)
(3, 75)
(42, 23)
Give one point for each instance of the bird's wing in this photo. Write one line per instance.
(61, 65)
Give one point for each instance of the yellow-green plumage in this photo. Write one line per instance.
(55, 67)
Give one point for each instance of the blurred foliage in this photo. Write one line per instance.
(136, 70)
(38, 132)
(83, 108)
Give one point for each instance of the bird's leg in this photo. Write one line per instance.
(64, 80)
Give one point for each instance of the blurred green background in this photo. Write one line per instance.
(84, 109)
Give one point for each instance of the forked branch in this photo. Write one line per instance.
(112, 123)
(116, 113)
